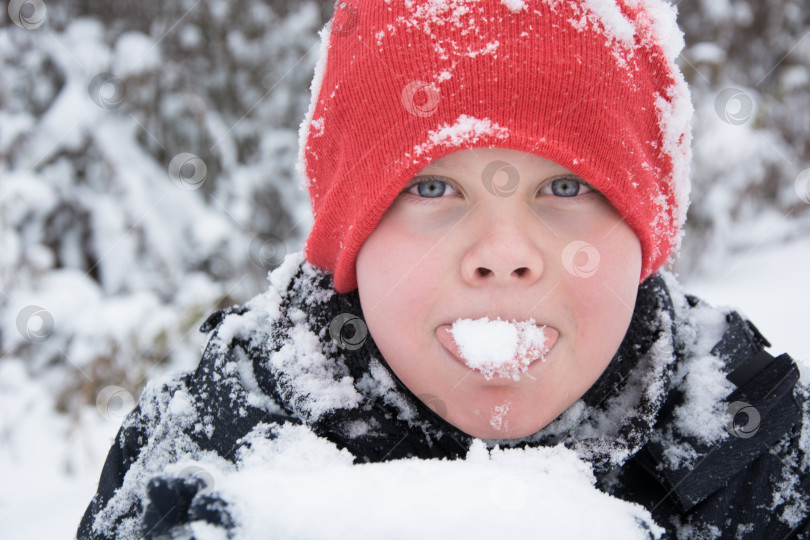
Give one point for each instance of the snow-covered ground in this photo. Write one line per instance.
(49, 469)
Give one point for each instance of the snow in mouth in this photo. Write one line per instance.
(497, 347)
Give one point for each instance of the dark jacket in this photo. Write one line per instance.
(705, 465)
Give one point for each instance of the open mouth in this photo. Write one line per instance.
(497, 347)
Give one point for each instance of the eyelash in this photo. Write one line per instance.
(426, 200)
(422, 180)
(582, 184)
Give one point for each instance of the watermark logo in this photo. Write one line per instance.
(345, 19)
(420, 98)
(580, 259)
(267, 251)
(751, 416)
(435, 403)
(199, 475)
(734, 106)
(27, 14)
(114, 403)
(500, 178)
(35, 324)
(188, 171)
(107, 91)
(349, 331)
(802, 186)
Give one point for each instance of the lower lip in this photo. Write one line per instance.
(445, 337)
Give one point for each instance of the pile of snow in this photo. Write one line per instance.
(301, 486)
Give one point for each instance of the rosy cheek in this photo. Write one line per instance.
(390, 267)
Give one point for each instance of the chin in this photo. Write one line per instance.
(497, 426)
(492, 434)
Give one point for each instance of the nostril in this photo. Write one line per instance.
(520, 271)
(483, 272)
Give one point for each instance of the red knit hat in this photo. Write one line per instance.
(591, 85)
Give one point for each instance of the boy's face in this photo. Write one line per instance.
(492, 232)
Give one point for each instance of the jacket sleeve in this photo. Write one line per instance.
(128, 443)
(202, 413)
(146, 438)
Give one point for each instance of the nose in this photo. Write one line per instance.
(504, 253)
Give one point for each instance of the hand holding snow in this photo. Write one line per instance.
(500, 347)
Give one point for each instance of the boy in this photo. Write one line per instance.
(518, 169)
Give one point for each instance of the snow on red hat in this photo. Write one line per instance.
(591, 85)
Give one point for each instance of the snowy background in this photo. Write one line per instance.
(147, 155)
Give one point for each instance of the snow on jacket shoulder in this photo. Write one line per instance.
(692, 418)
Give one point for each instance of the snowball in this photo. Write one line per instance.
(496, 346)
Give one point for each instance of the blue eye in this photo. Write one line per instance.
(430, 188)
(566, 187)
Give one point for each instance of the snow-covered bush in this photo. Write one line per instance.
(748, 65)
(146, 157)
